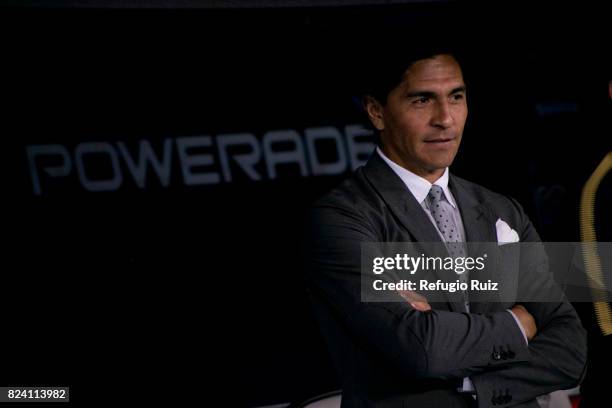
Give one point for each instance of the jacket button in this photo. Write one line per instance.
(511, 354)
(503, 355)
(496, 355)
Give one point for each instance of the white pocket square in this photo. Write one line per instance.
(505, 234)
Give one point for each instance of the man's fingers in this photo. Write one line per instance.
(417, 301)
(411, 296)
(526, 320)
(421, 306)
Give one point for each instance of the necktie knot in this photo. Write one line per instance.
(435, 193)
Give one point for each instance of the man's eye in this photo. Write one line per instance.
(421, 100)
(457, 97)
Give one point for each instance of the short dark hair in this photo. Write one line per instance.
(395, 52)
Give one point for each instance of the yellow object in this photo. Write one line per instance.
(592, 262)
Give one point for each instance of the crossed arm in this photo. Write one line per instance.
(443, 344)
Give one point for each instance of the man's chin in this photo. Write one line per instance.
(439, 165)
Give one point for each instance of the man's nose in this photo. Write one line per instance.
(442, 117)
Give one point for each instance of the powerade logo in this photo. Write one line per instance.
(200, 160)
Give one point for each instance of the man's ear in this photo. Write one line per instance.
(375, 112)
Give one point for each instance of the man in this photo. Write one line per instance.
(413, 353)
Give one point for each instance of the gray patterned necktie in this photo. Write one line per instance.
(442, 213)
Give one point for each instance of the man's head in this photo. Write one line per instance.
(420, 120)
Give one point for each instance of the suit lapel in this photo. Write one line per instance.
(479, 225)
(400, 200)
(476, 215)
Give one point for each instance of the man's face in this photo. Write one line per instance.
(422, 122)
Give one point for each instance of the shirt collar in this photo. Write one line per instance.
(418, 186)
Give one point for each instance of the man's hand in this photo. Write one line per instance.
(417, 301)
(526, 320)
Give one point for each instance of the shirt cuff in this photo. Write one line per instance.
(518, 322)
(467, 386)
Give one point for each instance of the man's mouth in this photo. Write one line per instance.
(440, 140)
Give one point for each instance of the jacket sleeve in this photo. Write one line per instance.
(434, 344)
(558, 351)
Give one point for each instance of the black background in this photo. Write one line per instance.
(194, 293)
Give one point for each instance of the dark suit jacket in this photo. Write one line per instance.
(388, 354)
